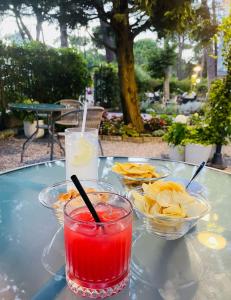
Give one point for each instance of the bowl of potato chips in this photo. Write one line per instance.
(167, 209)
(134, 174)
(56, 196)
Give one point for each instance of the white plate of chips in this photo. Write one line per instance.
(57, 195)
(133, 174)
(167, 209)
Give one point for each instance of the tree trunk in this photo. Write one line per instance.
(166, 85)
(63, 35)
(179, 56)
(126, 71)
(2, 113)
(38, 29)
(108, 40)
(25, 29)
(21, 26)
(203, 64)
(20, 29)
(211, 63)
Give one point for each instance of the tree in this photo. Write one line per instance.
(18, 8)
(102, 37)
(143, 50)
(203, 30)
(40, 8)
(68, 14)
(159, 66)
(225, 32)
(219, 103)
(116, 14)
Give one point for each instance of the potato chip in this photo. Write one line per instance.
(174, 210)
(135, 170)
(74, 194)
(166, 199)
(155, 209)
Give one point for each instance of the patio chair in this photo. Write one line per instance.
(70, 116)
(94, 117)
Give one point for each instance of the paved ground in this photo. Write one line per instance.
(38, 151)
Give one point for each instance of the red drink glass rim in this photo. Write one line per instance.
(103, 223)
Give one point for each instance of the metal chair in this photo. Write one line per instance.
(70, 116)
(94, 117)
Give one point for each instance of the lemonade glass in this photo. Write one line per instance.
(81, 153)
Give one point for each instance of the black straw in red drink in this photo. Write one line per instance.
(85, 198)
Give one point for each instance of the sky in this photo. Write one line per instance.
(8, 26)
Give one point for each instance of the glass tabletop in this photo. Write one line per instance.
(196, 266)
(45, 107)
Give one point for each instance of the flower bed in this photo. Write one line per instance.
(115, 127)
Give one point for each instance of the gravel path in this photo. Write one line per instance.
(38, 151)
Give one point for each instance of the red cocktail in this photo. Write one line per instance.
(98, 255)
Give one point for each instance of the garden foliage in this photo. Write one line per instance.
(219, 110)
(40, 72)
(106, 85)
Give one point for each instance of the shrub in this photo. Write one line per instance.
(190, 107)
(218, 114)
(112, 126)
(115, 126)
(145, 82)
(107, 93)
(176, 134)
(158, 133)
(180, 86)
(42, 73)
(168, 120)
(154, 124)
(202, 88)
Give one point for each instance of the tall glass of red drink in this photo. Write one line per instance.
(98, 254)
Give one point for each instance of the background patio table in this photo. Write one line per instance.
(182, 269)
(48, 109)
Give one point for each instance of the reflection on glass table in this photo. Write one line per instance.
(196, 266)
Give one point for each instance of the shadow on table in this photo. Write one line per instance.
(173, 268)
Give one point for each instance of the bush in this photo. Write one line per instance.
(145, 82)
(202, 88)
(106, 82)
(115, 126)
(157, 108)
(176, 134)
(154, 124)
(218, 114)
(180, 86)
(190, 107)
(112, 126)
(42, 73)
(158, 133)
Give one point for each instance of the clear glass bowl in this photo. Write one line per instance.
(133, 182)
(49, 196)
(168, 227)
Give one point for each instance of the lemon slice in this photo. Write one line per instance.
(85, 152)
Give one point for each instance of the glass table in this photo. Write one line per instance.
(196, 266)
(48, 109)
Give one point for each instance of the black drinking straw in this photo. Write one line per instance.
(85, 198)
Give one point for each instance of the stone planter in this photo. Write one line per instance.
(30, 128)
(140, 139)
(133, 139)
(196, 153)
(177, 152)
